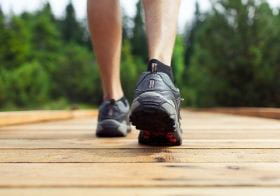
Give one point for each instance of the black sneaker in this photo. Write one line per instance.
(155, 110)
(113, 118)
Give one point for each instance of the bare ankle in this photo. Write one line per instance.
(113, 95)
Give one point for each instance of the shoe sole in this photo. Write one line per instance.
(156, 117)
(112, 128)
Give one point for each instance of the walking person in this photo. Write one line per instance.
(155, 110)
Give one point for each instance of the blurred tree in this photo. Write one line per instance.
(126, 26)
(72, 30)
(1, 17)
(232, 57)
(128, 70)
(76, 77)
(2, 37)
(227, 57)
(47, 10)
(139, 46)
(14, 47)
(178, 63)
(266, 53)
(29, 85)
(132, 65)
(45, 35)
(191, 33)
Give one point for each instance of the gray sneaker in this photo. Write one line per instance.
(113, 118)
(155, 110)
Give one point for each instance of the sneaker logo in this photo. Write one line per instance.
(110, 112)
(151, 83)
(154, 67)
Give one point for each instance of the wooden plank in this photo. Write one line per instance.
(11, 118)
(122, 143)
(219, 150)
(26, 117)
(139, 174)
(191, 121)
(207, 115)
(148, 155)
(91, 128)
(188, 134)
(196, 118)
(87, 126)
(209, 191)
(258, 112)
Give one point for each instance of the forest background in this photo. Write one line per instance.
(227, 56)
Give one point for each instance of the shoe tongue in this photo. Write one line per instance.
(112, 101)
(155, 65)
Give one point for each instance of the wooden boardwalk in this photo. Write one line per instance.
(221, 155)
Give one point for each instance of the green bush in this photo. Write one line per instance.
(76, 76)
(235, 61)
(27, 85)
(229, 56)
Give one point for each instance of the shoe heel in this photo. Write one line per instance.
(148, 113)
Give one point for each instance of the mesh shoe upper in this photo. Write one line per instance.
(160, 83)
(155, 110)
(112, 109)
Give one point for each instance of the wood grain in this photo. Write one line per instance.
(139, 155)
(258, 112)
(188, 134)
(128, 191)
(221, 155)
(27, 117)
(139, 174)
(124, 143)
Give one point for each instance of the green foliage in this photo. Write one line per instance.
(15, 47)
(139, 47)
(72, 30)
(178, 63)
(3, 87)
(191, 34)
(45, 36)
(28, 85)
(76, 75)
(37, 67)
(128, 70)
(236, 57)
(229, 56)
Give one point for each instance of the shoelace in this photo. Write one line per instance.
(111, 107)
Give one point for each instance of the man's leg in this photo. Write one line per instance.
(104, 21)
(161, 22)
(155, 109)
(105, 26)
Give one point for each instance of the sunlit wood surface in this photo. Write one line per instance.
(221, 155)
